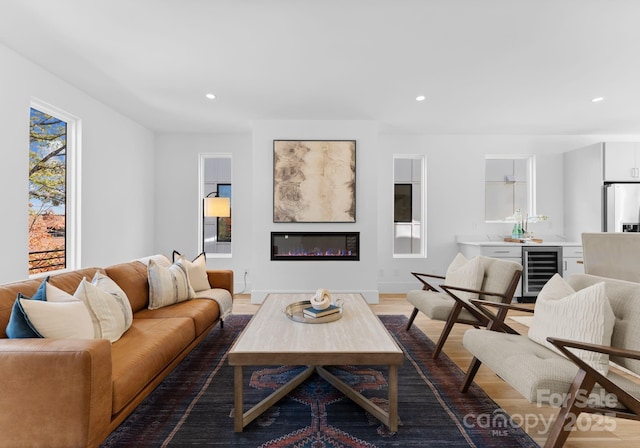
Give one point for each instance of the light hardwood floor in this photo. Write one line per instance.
(626, 433)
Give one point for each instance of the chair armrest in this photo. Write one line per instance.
(426, 286)
(587, 372)
(614, 351)
(221, 278)
(55, 392)
(497, 320)
(507, 306)
(475, 291)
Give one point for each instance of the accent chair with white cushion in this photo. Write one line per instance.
(579, 326)
(612, 255)
(449, 298)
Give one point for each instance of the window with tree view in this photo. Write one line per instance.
(47, 192)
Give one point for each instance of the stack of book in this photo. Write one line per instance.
(312, 312)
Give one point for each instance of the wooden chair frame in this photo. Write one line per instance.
(481, 318)
(582, 385)
(496, 325)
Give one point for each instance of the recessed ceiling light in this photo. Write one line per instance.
(421, 98)
(211, 96)
(597, 99)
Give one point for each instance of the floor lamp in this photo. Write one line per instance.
(214, 207)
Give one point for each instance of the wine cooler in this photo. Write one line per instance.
(539, 265)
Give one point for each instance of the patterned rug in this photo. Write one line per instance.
(194, 405)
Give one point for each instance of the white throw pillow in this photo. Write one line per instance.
(196, 271)
(60, 316)
(105, 310)
(107, 284)
(583, 316)
(168, 285)
(465, 273)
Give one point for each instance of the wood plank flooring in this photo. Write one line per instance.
(610, 433)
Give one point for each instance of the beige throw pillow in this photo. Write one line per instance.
(107, 284)
(196, 271)
(465, 273)
(168, 285)
(106, 312)
(61, 316)
(584, 316)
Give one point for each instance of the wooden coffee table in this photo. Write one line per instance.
(358, 338)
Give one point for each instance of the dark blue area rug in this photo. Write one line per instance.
(194, 405)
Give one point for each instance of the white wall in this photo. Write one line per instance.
(296, 276)
(140, 192)
(455, 200)
(117, 171)
(176, 192)
(455, 194)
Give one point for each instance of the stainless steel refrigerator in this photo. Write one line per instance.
(622, 207)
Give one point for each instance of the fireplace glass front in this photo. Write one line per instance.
(315, 246)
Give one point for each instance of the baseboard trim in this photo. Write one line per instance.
(258, 296)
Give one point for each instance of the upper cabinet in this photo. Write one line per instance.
(621, 162)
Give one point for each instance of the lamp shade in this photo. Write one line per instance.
(217, 207)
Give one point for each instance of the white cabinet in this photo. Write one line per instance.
(572, 261)
(621, 161)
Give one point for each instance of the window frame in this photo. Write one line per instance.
(73, 194)
(531, 181)
(202, 157)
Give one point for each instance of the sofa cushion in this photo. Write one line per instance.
(132, 278)
(436, 305)
(143, 352)
(538, 373)
(465, 273)
(168, 285)
(203, 312)
(584, 316)
(69, 281)
(196, 270)
(106, 312)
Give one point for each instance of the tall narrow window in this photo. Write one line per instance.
(215, 177)
(50, 245)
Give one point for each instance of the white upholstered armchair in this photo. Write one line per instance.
(447, 298)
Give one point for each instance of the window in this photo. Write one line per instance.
(215, 182)
(509, 186)
(52, 138)
(409, 206)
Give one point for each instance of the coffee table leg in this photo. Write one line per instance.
(393, 398)
(238, 401)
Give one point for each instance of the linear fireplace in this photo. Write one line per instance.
(315, 246)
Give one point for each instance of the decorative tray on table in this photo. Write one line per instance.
(294, 312)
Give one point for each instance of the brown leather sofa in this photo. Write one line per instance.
(74, 393)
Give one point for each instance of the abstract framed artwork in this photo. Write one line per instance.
(314, 181)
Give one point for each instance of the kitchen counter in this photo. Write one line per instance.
(498, 240)
(565, 255)
(509, 243)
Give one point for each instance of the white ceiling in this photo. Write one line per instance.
(485, 66)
